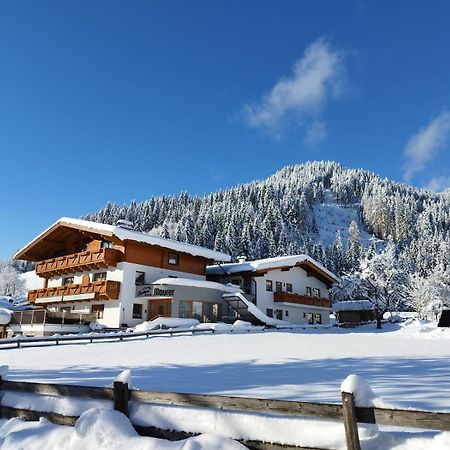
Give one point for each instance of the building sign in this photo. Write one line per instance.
(153, 291)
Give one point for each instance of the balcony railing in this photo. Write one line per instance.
(97, 290)
(288, 297)
(78, 262)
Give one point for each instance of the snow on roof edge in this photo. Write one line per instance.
(198, 283)
(138, 236)
(267, 263)
(353, 305)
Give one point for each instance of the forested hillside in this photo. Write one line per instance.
(319, 208)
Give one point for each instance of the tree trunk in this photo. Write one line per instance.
(379, 317)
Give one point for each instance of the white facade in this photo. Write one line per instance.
(116, 313)
(262, 279)
(291, 312)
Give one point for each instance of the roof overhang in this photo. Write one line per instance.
(54, 237)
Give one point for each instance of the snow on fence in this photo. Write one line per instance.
(18, 341)
(121, 396)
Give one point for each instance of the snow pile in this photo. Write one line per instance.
(95, 326)
(353, 305)
(165, 323)
(5, 316)
(242, 323)
(124, 377)
(362, 391)
(97, 429)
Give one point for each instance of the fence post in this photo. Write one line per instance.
(351, 427)
(120, 397)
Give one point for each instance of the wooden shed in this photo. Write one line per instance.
(354, 312)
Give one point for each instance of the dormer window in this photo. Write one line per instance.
(173, 259)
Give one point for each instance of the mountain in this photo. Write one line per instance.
(333, 213)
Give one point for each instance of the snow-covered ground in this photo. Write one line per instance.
(406, 365)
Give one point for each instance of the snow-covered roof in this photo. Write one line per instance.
(198, 283)
(125, 234)
(266, 264)
(353, 305)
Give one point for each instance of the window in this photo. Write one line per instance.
(316, 292)
(288, 287)
(236, 282)
(106, 244)
(184, 309)
(269, 312)
(137, 311)
(67, 280)
(318, 318)
(286, 313)
(173, 259)
(308, 291)
(268, 285)
(99, 276)
(140, 278)
(98, 310)
(203, 311)
(279, 314)
(197, 310)
(66, 309)
(278, 286)
(310, 318)
(210, 312)
(304, 315)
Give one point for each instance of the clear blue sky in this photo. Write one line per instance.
(109, 100)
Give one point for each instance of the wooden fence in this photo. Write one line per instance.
(121, 396)
(20, 341)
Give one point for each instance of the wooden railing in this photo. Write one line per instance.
(120, 396)
(288, 297)
(78, 262)
(103, 290)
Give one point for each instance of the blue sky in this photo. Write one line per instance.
(109, 100)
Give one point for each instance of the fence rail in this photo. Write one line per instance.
(121, 396)
(20, 340)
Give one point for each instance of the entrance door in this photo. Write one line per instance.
(159, 308)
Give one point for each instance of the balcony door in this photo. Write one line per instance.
(159, 308)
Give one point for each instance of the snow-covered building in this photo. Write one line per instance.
(290, 288)
(354, 312)
(121, 275)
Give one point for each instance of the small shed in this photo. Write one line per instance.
(354, 312)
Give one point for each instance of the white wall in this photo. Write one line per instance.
(299, 280)
(119, 312)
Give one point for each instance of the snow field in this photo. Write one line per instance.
(404, 365)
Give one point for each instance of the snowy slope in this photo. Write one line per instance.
(331, 216)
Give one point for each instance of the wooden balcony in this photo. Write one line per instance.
(98, 290)
(288, 297)
(78, 262)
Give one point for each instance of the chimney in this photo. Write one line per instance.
(242, 259)
(122, 223)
